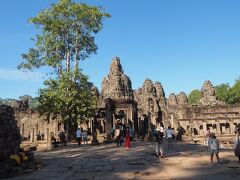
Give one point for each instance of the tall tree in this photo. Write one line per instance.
(234, 94)
(223, 92)
(67, 35)
(194, 96)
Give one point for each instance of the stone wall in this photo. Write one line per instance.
(9, 132)
(32, 123)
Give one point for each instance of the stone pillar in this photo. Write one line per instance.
(36, 132)
(91, 125)
(218, 127)
(23, 130)
(109, 119)
(56, 127)
(102, 124)
(204, 124)
(231, 126)
(32, 138)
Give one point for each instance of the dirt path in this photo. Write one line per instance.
(185, 161)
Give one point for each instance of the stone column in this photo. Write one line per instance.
(56, 127)
(109, 119)
(102, 124)
(23, 130)
(91, 125)
(204, 127)
(36, 132)
(231, 126)
(32, 138)
(218, 127)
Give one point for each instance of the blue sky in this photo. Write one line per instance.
(179, 43)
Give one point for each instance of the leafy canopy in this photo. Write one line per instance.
(223, 92)
(67, 34)
(72, 100)
(194, 96)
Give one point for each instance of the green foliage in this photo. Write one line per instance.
(70, 99)
(223, 92)
(194, 96)
(234, 94)
(67, 34)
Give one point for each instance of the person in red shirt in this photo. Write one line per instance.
(127, 139)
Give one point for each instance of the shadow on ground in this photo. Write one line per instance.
(184, 161)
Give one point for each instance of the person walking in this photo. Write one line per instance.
(117, 136)
(85, 136)
(159, 133)
(79, 136)
(62, 137)
(169, 135)
(213, 146)
(236, 146)
(127, 139)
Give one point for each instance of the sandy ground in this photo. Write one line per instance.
(185, 161)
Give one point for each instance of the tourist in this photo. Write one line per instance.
(79, 136)
(180, 132)
(117, 136)
(159, 134)
(236, 146)
(85, 136)
(62, 137)
(127, 139)
(131, 134)
(42, 136)
(169, 135)
(213, 146)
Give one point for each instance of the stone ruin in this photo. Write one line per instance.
(116, 85)
(119, 102)
(9, 133)
(175, 110)
(209, 95)
(151, 101)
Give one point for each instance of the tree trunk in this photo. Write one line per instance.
(68, 62)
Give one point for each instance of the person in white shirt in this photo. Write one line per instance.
(84, 136)
(169, 135)
(213, 146)
(79, 136)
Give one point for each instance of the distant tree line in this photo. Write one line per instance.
(224, 92)
(33, 102)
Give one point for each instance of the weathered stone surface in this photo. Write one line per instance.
(95, 92)
(9, 132)
(160, 94)
(151, 100)
(209, 95)
(172, 100)
(116, 85)
(182, 98)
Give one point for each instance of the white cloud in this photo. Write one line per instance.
(13, 74)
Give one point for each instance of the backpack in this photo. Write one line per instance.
(237, 149)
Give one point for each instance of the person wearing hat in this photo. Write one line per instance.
(159, 133)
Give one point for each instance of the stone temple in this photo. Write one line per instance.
(146, 107)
